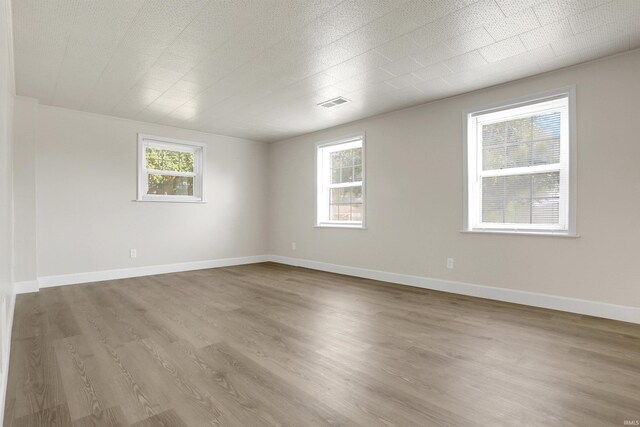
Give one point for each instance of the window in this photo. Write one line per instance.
(519, 166)
(170, 170)
(340, 181)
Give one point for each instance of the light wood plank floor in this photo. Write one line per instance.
(267, 344)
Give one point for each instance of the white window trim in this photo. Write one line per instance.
(200, 156)
(570, 229)
(321, 197)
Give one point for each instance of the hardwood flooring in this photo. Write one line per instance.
(267, 344)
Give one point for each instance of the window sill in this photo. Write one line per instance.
(355, 227)
(522, 233)
(202, 202)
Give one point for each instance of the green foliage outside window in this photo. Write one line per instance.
(167, 160)
(174, 161)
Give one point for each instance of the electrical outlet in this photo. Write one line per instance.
(450, 263)
(133, 253)
(293, 246)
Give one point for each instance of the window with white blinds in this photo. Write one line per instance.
(518, 166)
(340, 182)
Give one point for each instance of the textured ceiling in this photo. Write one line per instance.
(258, 68)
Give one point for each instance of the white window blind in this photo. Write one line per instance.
(518, 163)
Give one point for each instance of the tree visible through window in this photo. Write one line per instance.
(170, 170)
(159, 162)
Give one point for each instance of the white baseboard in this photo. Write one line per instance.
(124, 273)
(26, 287)
(571, 305)
(554, 302)
(6, 354)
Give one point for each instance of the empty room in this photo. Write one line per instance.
(319, 213)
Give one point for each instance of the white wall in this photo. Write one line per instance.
(24, 191)
(414, 195)
(7, 94)
(84, 187)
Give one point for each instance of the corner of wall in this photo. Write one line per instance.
(7, 104)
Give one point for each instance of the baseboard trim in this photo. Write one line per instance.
(553, 302)
(6, 354)
(26, 287)
(125, 273)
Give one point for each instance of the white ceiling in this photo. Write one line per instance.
(258, 68)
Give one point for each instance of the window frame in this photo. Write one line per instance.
(199, 161)
(472, 170)
(323, 178)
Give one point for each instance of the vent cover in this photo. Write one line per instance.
(334, 102)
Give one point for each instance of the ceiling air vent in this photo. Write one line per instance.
(334, 102)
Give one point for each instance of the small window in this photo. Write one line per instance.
(170, 170)
(340, 183)
(518, 167)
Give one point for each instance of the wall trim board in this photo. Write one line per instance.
(124, 273)
(572, 305)
(6, 355)
(26, 287)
